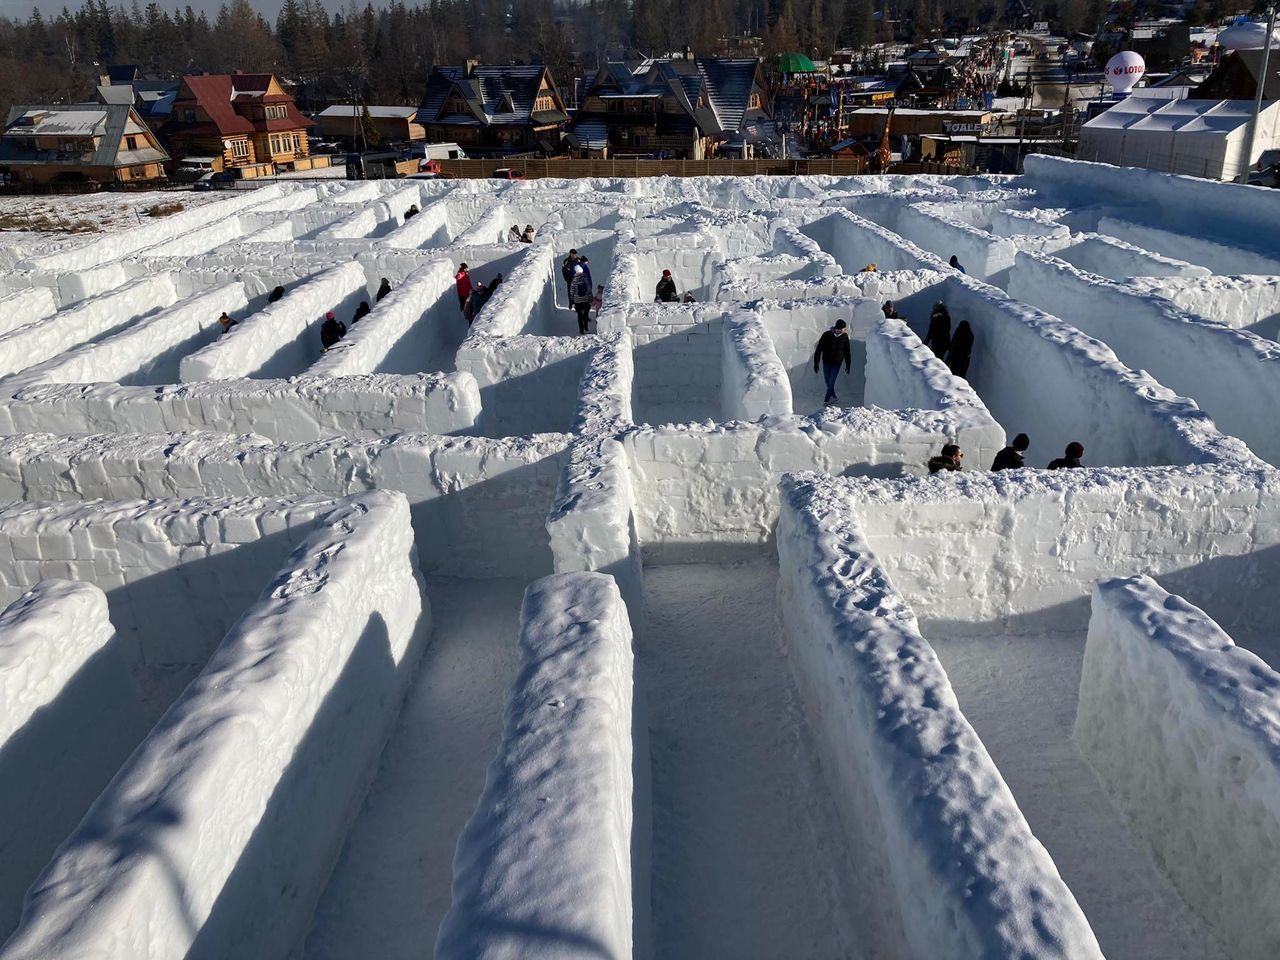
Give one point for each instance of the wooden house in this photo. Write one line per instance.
(80, 143)
(493, 110)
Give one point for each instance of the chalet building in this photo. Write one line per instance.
(392, 123)
(153, 99)
(682, 109)
(241, 121)
(80, 143)
(1236, 78)
(493, 110)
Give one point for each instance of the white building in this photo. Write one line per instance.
(1202, 138)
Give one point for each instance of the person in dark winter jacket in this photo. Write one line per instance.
(1072, 458)
(566, 271)
(956, 265)
(480, 295)
(961, 347)
(1010, 458)
(832, 350)
(580, 297)
(276, 294)
(332, 330)
(666, 291)
(412, 212)
(938, 339)
(362, 311)
(383, 289)
(890, 311)
(949, 459)
(527, 236)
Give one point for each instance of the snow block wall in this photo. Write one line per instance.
(75, 325)
(605, 391)
(754, 383)
(255, 802)
(1241, 303)
(709, 492)
(1183, 728)
(147, 351)
(1122, 416)
(284, 338)
(528, 384)
(71, 717)
(1018, 551)
(1233, 258)
(917, 793)
(544, 865)
(678, 358)
(304, 408)
(1118, 260)
(982, 254)
(855, 242)
(479, 506)
(26, 306)
(1208, 361)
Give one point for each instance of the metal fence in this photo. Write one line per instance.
(575, 169)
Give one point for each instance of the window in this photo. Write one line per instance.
(240, 149)
(615, 106)
(68, 146)
(755, 101)
(297, 143)
(131, 143)
(188, 116)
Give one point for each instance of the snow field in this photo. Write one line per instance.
(276, 779)
(1183, 728)
(557, 807)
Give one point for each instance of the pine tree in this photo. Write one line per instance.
(368, 129)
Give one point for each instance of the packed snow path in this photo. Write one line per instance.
(740, 740)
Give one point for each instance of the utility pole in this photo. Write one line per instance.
(1249, 137)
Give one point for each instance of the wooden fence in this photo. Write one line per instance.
(575, 169)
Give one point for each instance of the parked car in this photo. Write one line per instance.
(506, 173)
(213, 181)
(429, 166)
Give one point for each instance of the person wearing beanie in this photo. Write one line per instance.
(1010, 458)
(890, 311)
(331, 331)
(1074, 452)
(667, 292)
(832, 350)
(462, 279)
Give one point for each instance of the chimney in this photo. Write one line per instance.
(471, 67)
(688, 52)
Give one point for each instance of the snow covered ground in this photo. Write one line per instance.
(774, 808)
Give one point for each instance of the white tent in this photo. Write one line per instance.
(1202, 138)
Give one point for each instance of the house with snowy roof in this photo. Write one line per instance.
(241, 121)
(679, 108)
(80, 143)
(393, 123)
(493, 110)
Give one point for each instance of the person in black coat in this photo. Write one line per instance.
(1010, 458)
(666, 291)
(383, 290)
(961, 347)
(276, 294)
(938, 339)
(949, 459)
(331, 331)
(362, 311)
(1072, 459)
(832, 350)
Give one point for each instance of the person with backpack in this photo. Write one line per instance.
(331, 331)
(580, 297)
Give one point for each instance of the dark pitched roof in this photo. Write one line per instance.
(217, 95)
(495, 96)
(109, 122)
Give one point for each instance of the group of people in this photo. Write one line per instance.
(953, 348)
(473, 294)
(1010, 458)
(515, 236)
(582, 296)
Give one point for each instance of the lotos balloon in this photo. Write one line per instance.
(1124, 70)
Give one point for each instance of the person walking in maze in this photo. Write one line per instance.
(831, 352)
(412, 212)
(1010, 458)
(226, 322)
(580, 297)
(513, 235)
(597, 302)
(956, 264)
(528, 233)
(331, 331)
(462, 279)
(948, 459)
(383, 290)
(666, 291)
(938, 338)
(276, 294)
(1071, 458)
(890, 311)
(362, 311)
(566, 271)
(961, 348)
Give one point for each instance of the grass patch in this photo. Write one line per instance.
(165, 209)
(42, 223)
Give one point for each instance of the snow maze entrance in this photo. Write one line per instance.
(500, 640)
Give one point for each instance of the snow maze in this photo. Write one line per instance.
(502, 641)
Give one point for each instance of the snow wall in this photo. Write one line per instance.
(1233, 376)
(1183, 728)
(254, 804)
(71, 718)
(544, 864)
(902, 373)
(283, 339)
(479, 506)
(1018, 551)
(300, 409)
(1242, 303)
(1118, 260)
(25, 306)
(754, 383)
(528, 384)
(917, 793)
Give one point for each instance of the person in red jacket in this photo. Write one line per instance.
(463, 279)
